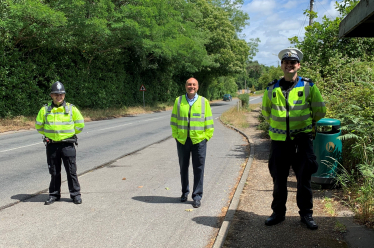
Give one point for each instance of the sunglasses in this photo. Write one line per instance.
(291, 62)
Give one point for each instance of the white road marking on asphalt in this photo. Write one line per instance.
(126, 124)
(21, 147)
(83, 133)
(254, 98)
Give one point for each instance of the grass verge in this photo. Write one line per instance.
(235, 117)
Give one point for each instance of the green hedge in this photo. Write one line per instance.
(245, 99)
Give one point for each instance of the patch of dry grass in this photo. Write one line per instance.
(236, 117)
(16, 123)
(22, 122)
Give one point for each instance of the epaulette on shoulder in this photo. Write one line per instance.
(306, 79)
(273, 82)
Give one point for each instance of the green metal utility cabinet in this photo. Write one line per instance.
(328, 150)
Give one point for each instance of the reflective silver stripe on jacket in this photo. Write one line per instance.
(197, 119)
(270, 91)
(40, 130)
(79, 128)
(297, 107)
(38, 123)
(71, 112)
(179, 107)
(297, 118)
(59, 131)
(267, 109)
(79, 121)
(202, 107)
(59, 123)
(197, 128)
(318, 104)
(209, 126)
(173, 124)
(306, 89)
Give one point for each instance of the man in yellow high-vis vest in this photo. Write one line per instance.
(292, 105)
(59, 122)
(192, 126)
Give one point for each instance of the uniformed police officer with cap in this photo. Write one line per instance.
(292, 105)
(59, 122)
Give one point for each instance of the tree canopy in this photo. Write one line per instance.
(104, 50)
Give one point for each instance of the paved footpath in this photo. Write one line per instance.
(134, 202)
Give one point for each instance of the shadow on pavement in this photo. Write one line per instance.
(240, 151)
(207, 221)
(35, 198)
(158, 199)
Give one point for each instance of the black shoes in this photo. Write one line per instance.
(196, 203)
(77, 200)
(184, 198)
(274, 219)
(51, 200)
(308, 220)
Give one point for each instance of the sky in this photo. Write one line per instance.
(274, 21)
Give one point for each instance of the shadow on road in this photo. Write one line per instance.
(158, 199)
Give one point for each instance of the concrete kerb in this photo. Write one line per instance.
(221, 237)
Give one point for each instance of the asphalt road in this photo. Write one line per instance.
(23, 166)
(135, 200)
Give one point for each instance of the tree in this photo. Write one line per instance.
(237, 17)
(226, 51)
(322, 42)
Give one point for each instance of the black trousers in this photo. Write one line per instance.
(299, 154)
(198, 152)
(56, 153)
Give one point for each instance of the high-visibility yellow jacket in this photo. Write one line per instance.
(59, 123)
(296, 114)
(197, 119)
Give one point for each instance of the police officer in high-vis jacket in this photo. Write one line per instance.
(192, 126)
(292, 105)
(59, 122)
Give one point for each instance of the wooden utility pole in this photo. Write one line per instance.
(311, 9)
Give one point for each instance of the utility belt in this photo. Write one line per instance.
(73, 139)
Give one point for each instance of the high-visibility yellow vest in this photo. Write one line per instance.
(59, 123)
(195, 121)
(296, 114)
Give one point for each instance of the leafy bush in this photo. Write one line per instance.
(245, 99)
(264, 125)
